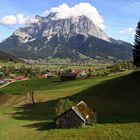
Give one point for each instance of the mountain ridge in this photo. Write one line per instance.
(7, 57)
(48, 37)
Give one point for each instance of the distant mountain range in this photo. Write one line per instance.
(75, 38)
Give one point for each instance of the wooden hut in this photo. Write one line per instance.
(75, 117)
(67, 77)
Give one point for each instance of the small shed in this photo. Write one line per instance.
(77, 116)
(67, 77)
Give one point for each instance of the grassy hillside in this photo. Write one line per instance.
(115, 99)
(48, 84)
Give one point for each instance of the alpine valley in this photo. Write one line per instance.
(74, 38)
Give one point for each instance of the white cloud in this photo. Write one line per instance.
(127, 31)
(20, 19)
(8, 20)
(46, 13)
(64, 11)
(126, 34)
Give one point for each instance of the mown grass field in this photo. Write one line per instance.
(115, 99)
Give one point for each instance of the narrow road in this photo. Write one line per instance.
(5, 84)
(12, 82)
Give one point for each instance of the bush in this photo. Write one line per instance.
(62, 106)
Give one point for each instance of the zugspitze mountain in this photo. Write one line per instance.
(74, 37)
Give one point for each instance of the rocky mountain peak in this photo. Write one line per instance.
(73, 37)
(50, 26)
(39, 18)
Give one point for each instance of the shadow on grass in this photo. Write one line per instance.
(42, 112)
(115, 101)
(41, 126)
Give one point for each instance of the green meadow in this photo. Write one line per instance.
(115, 98)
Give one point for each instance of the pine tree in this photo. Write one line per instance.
(136, 47)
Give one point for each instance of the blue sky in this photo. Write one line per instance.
(120, 16)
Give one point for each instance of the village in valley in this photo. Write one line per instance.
(13, 72)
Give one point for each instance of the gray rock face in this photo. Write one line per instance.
(74, 37)
(49, 26)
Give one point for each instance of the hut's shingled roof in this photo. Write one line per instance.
(82, 110)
